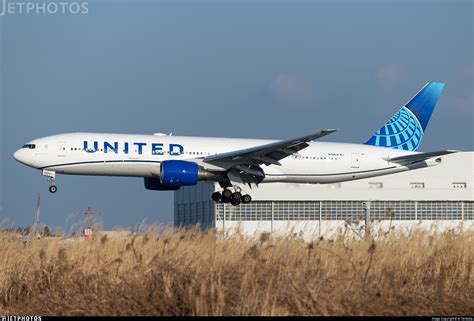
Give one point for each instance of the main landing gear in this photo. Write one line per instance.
(51, 178)
(235, 198)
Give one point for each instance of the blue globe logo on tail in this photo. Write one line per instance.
(402, 131)
(406, 128)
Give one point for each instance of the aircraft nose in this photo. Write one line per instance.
(20, 156)
(16, 155)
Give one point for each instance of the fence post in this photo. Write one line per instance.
(223, 221)
(367, 217)
(320, 216)
(416, 210)
(273, 207)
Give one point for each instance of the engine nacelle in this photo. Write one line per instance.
(180, 173)
(154, 184)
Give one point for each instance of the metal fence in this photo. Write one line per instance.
(208, 212)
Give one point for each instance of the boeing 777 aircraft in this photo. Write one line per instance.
(168, 162)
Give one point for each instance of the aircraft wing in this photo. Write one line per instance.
(268, 154)
(413, 158)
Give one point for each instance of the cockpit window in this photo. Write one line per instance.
(29, 146)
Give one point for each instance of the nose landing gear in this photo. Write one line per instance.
(235, 198)
(51, 178)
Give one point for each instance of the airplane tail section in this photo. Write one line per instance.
(406, 128)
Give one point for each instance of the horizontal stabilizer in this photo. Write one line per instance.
(413, 158)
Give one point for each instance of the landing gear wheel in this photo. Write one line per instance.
(236, 196)
(235, 202)
(246, 199)
(227, 193)
(216, 196)
(53, 189)
(226, 199)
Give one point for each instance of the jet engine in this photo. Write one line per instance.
(181, 173)
(154, 184)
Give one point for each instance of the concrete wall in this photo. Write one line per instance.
(310, 230)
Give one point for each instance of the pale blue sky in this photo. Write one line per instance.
(264, 69)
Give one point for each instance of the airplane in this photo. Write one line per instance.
(168, 162)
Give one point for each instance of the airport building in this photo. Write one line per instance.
(439, 197)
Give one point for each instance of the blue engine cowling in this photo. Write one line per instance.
(179, 173)
(155, 184)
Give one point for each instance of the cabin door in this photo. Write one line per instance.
(355, 160)
(62, 149)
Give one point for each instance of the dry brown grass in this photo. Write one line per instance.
(193, 273)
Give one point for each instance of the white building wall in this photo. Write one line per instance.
(438, 180)
(448, 182)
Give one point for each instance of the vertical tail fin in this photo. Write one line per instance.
(407, 127)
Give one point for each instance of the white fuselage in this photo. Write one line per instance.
(141, 155)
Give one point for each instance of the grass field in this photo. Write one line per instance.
(194, 273)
